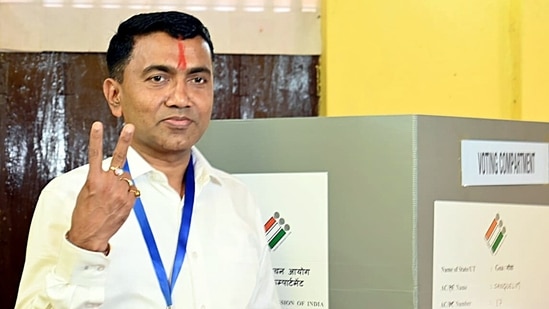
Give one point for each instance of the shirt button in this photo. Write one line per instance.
(194, 255)
(100, 268)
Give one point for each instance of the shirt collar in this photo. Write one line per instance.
(138, 165)
(203, 171)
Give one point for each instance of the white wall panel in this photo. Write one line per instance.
(237, 26)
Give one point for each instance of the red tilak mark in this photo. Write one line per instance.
(182, 64)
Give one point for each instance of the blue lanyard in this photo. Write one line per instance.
(165, 285)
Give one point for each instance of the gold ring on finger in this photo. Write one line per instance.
(135, 191)
(116, 170)
(129, 181)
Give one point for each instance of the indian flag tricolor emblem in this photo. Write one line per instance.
(495, 234)
(276, 230)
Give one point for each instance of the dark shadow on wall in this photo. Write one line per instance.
(48, 102)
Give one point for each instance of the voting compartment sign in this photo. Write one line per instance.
(487, 163)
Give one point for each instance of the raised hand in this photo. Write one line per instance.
(107, 197)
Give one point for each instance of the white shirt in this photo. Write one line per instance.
(227, 264)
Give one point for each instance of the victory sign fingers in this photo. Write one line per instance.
(107, 197)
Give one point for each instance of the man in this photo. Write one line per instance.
(155, 226)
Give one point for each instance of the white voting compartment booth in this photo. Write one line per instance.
(397, 212)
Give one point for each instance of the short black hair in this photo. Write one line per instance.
(176, 24)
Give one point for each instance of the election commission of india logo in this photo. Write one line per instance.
(495, 234)
(276, 230)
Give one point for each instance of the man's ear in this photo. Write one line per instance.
(111, 91)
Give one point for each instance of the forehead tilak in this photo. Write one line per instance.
(182, 62)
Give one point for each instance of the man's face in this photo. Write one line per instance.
(167, 92)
